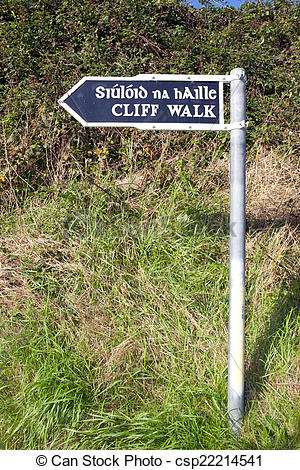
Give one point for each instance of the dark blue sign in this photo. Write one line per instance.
(114, 101)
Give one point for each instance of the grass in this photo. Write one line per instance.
(114, 310)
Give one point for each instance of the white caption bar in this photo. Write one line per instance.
(149, 459)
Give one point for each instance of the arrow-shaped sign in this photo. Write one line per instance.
(148, 102)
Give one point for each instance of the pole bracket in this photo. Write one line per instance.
(236, 125)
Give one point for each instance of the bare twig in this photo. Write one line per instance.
(153, 46)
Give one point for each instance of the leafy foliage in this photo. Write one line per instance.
(48, 45)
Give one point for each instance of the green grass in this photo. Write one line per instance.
(114, 310)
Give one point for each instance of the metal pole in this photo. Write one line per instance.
(236, 342)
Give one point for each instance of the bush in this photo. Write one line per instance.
(48, 45)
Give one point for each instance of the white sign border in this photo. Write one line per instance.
(159, 126)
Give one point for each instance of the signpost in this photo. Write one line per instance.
(185, 102)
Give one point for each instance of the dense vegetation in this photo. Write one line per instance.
(48, 45)
(114, 243)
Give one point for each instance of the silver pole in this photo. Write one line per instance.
(236, 342)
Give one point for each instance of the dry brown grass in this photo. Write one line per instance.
(14, 287)
(273, 189)
(272, 210)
